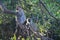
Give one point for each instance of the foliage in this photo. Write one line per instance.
(37, 12)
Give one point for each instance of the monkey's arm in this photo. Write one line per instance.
(5, 10)
(10, 12)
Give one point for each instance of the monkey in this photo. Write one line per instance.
(19, 15)
(29, 22)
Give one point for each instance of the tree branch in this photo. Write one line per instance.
(46, 9)
(5, 10)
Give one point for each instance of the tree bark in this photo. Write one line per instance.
(5, 10)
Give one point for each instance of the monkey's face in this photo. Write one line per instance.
(28, 20)
(19, 9)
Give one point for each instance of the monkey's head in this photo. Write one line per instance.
(27, 22)
(19, 8)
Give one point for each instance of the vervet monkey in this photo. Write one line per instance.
(20, 15)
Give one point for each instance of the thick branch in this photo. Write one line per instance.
(5, 10)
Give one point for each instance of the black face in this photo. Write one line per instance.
(29, 19)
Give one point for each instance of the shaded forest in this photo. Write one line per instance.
(45, 15)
